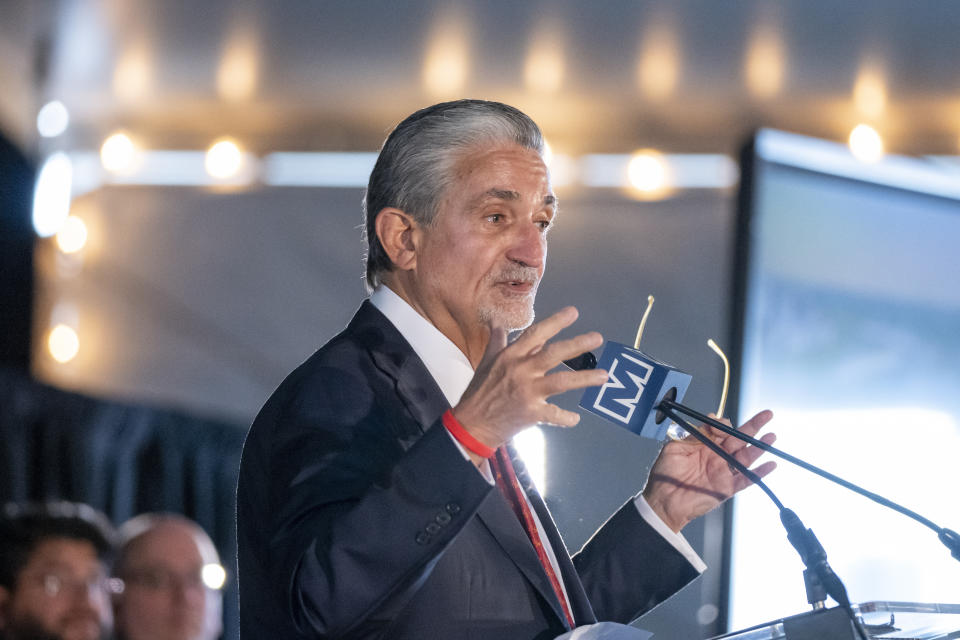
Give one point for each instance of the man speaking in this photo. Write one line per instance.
(378, 497)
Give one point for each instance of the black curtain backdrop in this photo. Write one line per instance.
(16, 255)
(122, 459)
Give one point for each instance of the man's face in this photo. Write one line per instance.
(61, 594)
(484, 255)
(164, 596)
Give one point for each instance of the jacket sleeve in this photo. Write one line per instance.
(627, 568)
(364, 505)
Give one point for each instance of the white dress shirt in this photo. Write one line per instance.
(453, 372)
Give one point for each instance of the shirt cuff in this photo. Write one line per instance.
(484, 469)
(676, 540)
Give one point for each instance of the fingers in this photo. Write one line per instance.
(563, 381)
(748, 455)
(757, 422)
(556, 352)
(741, 482)
(749, 428)
(556, 416)
(534, 337)
(545, 356)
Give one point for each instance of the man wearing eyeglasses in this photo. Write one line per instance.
(54, 572)
(172, 579)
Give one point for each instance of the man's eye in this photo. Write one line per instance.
(495, 217)
(544, 224)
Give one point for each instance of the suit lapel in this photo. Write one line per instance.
(502, 523)
(394, 356)
(425, 401)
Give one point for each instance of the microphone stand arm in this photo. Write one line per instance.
(818, 578)
(950, 538)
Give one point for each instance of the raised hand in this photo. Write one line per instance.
(688, 480)
(510, 388)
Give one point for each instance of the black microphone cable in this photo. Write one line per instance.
(818, 574)
(950, 538)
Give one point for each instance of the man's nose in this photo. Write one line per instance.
(529, 246)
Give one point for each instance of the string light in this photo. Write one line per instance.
(866, 144)
(446, 62)
(223, 159)
(53, 119)
(765, 63)
(648, 174)
(658, 68)
(63, 343)
(118, 153)
(72, 236)
(545, 66)
(870, 93)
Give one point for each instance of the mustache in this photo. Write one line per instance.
(516, 273)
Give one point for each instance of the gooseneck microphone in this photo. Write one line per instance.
(950, 538)
(819, 579)
(667, 406)
(621, 401)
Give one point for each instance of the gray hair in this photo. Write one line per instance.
(416, 163)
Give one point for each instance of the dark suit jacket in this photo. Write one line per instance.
(358, 517)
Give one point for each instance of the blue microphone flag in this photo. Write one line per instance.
(636, 384)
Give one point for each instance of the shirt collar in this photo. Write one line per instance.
(448, 365)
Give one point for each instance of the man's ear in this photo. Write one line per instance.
(396, 231)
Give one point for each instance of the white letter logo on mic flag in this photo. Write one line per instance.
(614, 392)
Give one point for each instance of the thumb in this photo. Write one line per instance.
(497, 343)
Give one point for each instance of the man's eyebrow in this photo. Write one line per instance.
(507, 194)
(501, 194)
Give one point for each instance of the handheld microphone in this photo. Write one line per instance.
(585, 360)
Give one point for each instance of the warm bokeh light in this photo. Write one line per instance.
(545, 65)
(72, 236)
(765, 63)
(658, 68)
(63, 343)
(52, 195)
(223, 159)
(132, 76)
(866, 144)
(648, 174)
(446, 62)
(213, 575)
(118, 153)
(239, 71)
(53, 119)
(870, 93)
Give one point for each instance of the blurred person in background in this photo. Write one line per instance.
(55, 572)
(172, 579)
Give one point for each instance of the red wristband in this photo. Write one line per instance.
(463, 436)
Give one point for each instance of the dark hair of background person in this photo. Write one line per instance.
(24, 527)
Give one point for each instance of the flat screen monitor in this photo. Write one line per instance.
(847, 323)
